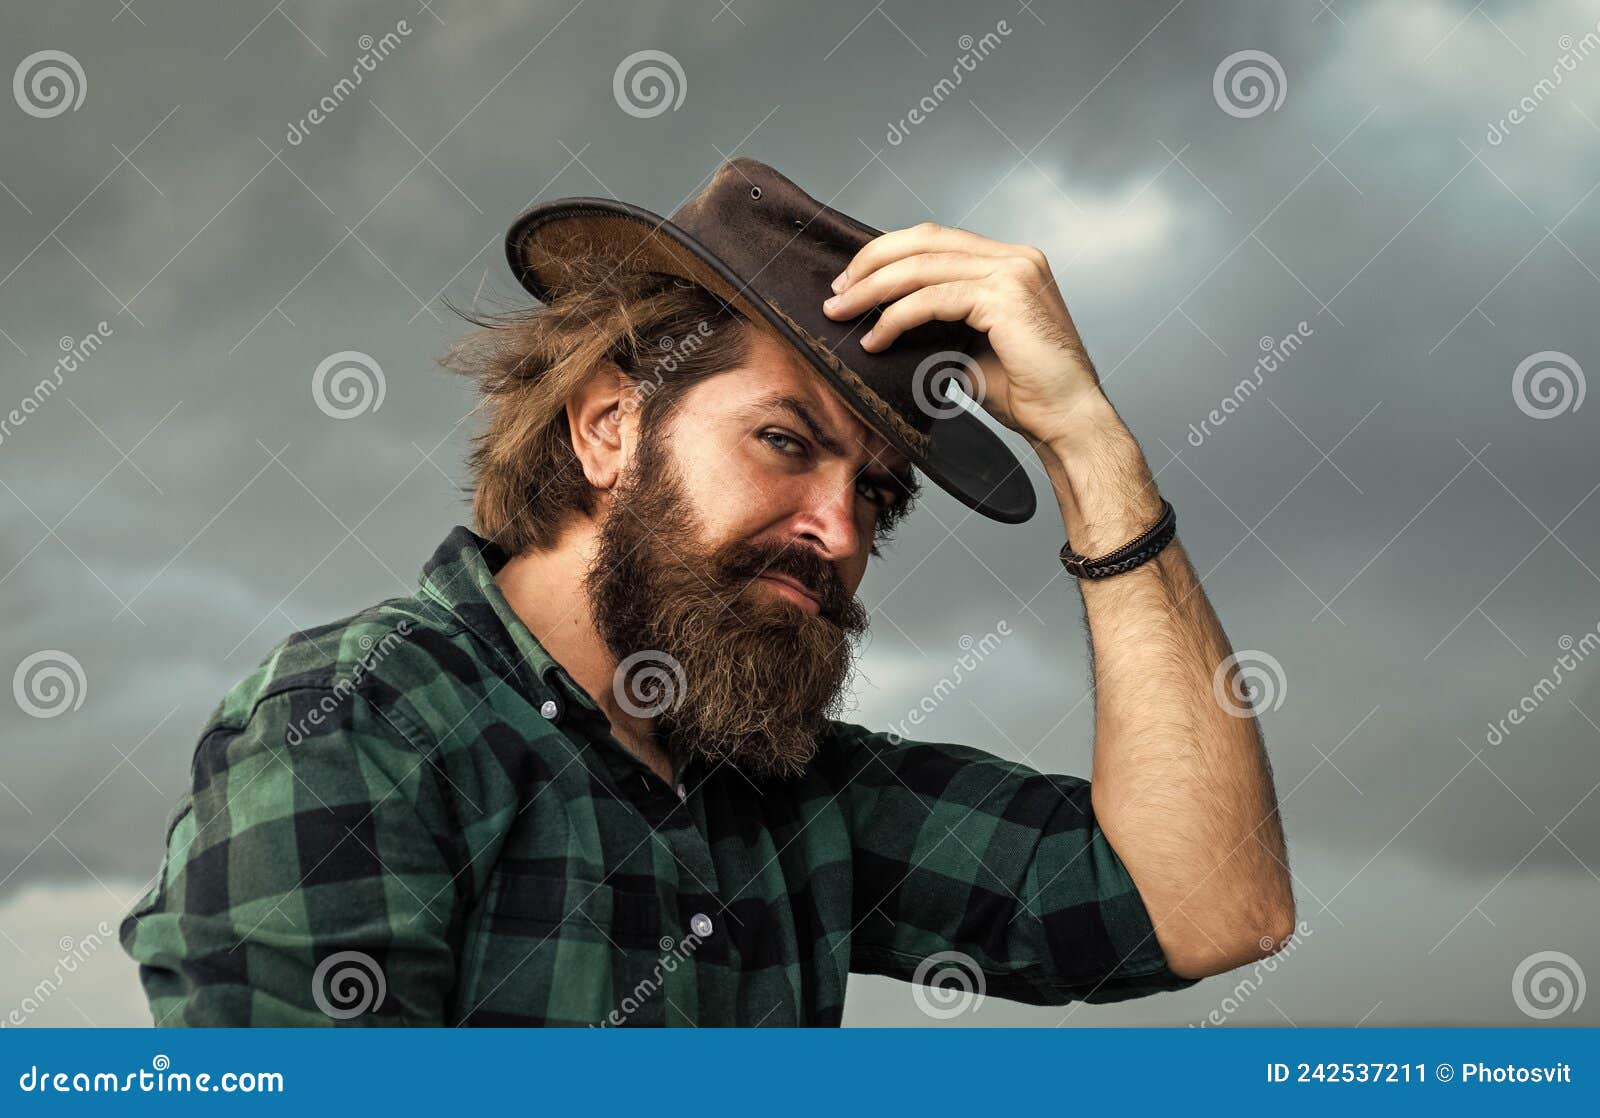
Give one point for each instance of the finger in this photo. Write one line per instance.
(926, 237)
(903, 276)
(947, 302)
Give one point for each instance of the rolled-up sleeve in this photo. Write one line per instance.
(957, 850)
(306, 879)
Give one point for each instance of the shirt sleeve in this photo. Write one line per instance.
(308, 877)
(955, 850)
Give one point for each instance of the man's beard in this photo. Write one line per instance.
(729, 669)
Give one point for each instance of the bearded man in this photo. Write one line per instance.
(593, 771)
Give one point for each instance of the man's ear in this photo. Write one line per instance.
(603, 426)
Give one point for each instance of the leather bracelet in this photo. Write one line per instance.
(1130, 555)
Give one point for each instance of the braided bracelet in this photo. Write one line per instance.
(1134, 554)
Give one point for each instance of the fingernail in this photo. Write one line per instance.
(830, 304)
(840, 282)
(867, 340)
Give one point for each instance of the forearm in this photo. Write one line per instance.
(1181, 786)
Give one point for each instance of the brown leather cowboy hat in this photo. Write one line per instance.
(757, 240)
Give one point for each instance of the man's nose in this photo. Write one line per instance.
(829, 522)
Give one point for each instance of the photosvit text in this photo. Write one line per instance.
(1474, 1072)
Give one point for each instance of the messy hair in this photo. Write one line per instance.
(664, 333)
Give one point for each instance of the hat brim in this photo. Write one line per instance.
(547, 244)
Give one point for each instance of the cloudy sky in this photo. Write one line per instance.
(1397, 524)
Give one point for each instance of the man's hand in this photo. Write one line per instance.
(1181, 784)
(1037, 378)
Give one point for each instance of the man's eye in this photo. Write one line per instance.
(770, 435)
(880, 494)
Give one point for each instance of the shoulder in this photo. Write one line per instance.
(396, 689)
(389, 656)
(383, 709)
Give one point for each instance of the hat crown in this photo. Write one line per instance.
(748, 193)
(788, 247)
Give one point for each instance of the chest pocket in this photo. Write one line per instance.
(552, 949)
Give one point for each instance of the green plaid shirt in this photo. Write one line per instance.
(415, 816)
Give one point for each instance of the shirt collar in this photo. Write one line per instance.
(460, 576)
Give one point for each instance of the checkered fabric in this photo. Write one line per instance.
(414, 816)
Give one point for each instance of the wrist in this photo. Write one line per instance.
(1102, 483)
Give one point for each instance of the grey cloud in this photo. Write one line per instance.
(1431, 275)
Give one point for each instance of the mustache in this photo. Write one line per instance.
(746, 562)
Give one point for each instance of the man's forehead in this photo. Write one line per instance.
(776, 371)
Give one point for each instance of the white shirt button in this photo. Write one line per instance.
(683, 793)
(548, 708)
(700, 924)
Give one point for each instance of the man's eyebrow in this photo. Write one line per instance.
(902, 481)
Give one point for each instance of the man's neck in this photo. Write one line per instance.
(545, 589)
